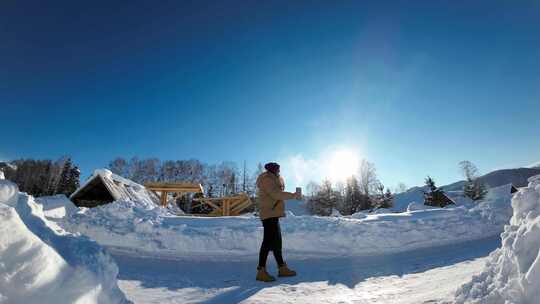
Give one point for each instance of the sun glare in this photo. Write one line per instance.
(343, 163)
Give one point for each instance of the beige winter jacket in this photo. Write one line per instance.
(271, 196)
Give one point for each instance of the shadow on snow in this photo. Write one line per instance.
(239, 276)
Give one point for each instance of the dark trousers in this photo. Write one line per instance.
(271, 241)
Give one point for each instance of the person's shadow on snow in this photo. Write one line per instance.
(234, 281)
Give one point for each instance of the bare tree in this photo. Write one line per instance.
(401, 187)
(368, 178)
(473, 188)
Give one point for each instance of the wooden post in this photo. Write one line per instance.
(226, 207)
(164, 198)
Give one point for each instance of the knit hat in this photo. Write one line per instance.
(272, 167)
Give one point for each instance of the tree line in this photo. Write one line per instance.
(43, 177)
(361, 191)
(225, 178)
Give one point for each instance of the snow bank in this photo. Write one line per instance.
(130, 226)
(41, 263)
(9, 192)
(297, 207)
(414, 206)
(56, 206)
(512, 274)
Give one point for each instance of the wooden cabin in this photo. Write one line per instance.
(104, 187)
(437, 199)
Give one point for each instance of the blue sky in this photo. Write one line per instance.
(413, 87)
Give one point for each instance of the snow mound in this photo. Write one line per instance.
(9, 192)
(418, 206)
(512, 274)
(297, 207)
(127, 226)
(41, 263)
(56, 206)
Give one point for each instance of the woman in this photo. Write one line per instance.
(271, 199)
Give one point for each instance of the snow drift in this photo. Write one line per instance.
(512, 274)
(41, 263)
(132, 226)
(56, 206)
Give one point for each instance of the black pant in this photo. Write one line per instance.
(271, 241)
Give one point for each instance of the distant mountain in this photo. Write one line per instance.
(535, 165)
(518, 177)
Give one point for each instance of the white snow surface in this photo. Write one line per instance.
(428, 275)
(144, 228)
(9, 192)
(512, 274)
(41, 263)
(56, 206)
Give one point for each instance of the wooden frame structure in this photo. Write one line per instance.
(178, 188)
(226, 206)
(222, 206)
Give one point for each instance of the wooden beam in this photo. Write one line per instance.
(172, 187)
(164, 198)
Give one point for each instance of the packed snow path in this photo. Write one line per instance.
(420, 276)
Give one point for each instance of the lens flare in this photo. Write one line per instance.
(342, 164)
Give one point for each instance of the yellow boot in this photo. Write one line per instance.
(284, 271)
(263, 276)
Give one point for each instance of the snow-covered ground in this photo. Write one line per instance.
(420, 276)
(149, 229)
(424, 255)
(41, 263)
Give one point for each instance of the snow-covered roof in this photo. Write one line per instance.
(119, 187)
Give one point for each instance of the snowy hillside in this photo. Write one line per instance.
(512, 274)
(518, 177)
(41, 263)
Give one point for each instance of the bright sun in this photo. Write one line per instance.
(343, 163)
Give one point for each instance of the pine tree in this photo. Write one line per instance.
(388, 199)
(63, 184)
(73, 183)
(474, 189)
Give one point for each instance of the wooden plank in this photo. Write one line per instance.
(188, 190)
(218, 198)
(172, 187)
(213, 205)
(242, 206)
